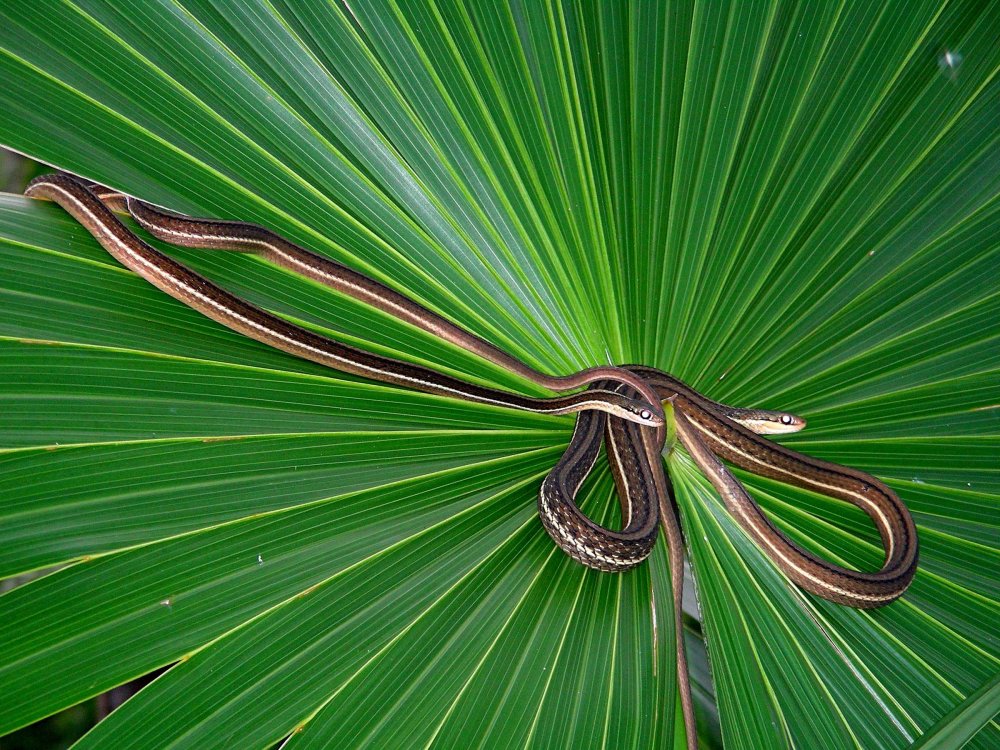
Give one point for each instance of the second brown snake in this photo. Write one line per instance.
(621, 404)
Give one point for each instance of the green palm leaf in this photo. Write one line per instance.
(790, 206)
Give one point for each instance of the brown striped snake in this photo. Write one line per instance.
(622, 404)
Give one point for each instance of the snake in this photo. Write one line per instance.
(186, 285)
(621, 406)
(706, 428)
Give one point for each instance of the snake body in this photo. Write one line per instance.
(622, 406)
(633, 456)
(213, 301)
(241, 236)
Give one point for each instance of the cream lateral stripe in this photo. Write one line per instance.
(613, 442)
(290, 258)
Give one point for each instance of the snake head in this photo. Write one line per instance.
(783, 422)
(644, 413)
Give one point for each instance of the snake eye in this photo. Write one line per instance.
(646, 414)
(786, 419)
